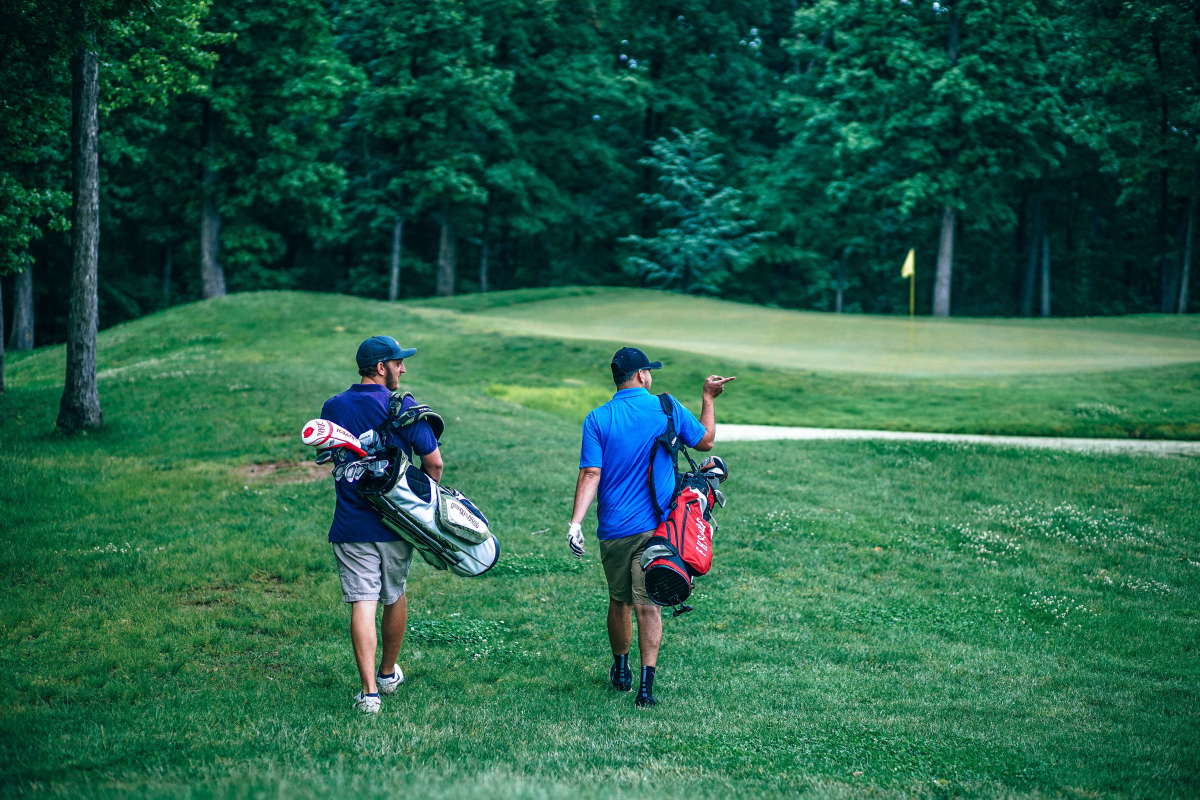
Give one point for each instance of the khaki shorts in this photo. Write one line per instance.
(621, 561)
(373, 570)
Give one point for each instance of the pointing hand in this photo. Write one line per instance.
(715, 384)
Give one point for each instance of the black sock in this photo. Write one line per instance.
(388, 677)
(647, 687)
(621, 663)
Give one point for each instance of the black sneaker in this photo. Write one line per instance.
(645, 701)
(621, 679)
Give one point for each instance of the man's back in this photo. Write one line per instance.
(360, 408)
(617, 438)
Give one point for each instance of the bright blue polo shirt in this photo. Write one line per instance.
(359, 409)
(617, 438)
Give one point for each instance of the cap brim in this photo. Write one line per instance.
(412, 351)
(653, 365)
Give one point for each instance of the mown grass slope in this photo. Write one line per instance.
(882, 619)
(1081, 377)
(860, 343)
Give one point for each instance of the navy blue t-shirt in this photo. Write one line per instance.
(617, 438)
(359, 409)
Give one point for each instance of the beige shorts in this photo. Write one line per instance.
(373, 570)
(622, 568)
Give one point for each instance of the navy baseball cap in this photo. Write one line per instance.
(381, 348)
(628, 360)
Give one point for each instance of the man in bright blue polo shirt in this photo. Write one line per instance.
(373, 562)
(614, 460)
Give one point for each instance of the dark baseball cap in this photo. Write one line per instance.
(381, 348)
(629, 360)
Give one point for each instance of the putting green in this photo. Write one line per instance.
(842, 343)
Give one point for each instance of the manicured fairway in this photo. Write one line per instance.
(847, 343)
(883, 619)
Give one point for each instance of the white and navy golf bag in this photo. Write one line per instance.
(439, 522)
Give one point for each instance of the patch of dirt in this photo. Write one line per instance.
(286, 471)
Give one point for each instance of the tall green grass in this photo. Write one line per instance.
(882, 619)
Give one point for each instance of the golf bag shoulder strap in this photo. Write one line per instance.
(400, 417)
(669, 441)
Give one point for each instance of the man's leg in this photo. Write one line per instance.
(362, 634)
(620, 626)
(649, 620)
(395, 617)
(649, 633)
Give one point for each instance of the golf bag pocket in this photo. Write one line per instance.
(412, 505)
(459, 515)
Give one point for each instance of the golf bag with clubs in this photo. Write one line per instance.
(681, 547)
(439, 522)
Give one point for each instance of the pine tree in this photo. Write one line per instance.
(706, 240)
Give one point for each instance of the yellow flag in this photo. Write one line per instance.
(907, 270)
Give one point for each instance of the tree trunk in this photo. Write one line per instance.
(506, 258)
(483, 258)
(1185, 273)
(1031, 264)
(1, 340)
(838, 297)
(22, 326)
(447, 255)
(80, 406)
(167, 274)
(1045, 273)
(212, 273)
(1166, 293)
(394, 279)
(945, 265)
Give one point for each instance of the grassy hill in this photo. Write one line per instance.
(856, 343)
(883, 619)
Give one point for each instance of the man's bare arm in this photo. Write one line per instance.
(431, 464)
(713, 387)
(585, 492)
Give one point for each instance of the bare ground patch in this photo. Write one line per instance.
(286, 471)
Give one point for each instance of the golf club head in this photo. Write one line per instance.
(715, 465)
(325, 435)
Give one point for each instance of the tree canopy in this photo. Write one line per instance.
(390, 148)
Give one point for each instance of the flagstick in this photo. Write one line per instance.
(912, 294)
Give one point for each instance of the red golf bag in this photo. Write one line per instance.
(681, 547)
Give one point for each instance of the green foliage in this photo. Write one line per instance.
(882, 619)
(521, 130)
(705, 242)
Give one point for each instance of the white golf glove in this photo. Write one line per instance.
(575, 539)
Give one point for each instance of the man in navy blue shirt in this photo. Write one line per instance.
(614, 460)
(373, 562)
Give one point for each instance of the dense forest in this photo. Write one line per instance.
(1038, 156)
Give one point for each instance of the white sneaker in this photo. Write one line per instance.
(390, 685)
(367, 705)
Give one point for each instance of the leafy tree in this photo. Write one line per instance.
(1135, 69)
(706, 240)
(924, 108)
(417, 132)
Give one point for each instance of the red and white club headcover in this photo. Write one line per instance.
(325, 435)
